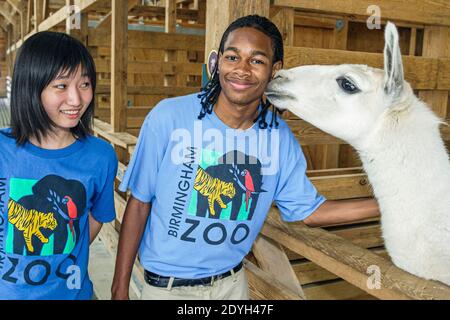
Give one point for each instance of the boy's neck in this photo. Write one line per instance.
(234, 115)
(56, 139)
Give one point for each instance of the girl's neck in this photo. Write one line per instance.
(57, 139)
(236, 116)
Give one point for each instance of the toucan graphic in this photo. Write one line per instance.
(66, 202)
(249, 187)
(72, 210)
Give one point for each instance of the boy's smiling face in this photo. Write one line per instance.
(246, 66)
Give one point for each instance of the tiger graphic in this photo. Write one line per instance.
(30, 221)
(213, 188)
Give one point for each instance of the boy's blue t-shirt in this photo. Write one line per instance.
(45, 200)
(211, 187)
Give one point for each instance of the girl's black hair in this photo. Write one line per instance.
(211, 91)
(41, 58)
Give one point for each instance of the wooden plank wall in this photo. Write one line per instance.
(148, 71)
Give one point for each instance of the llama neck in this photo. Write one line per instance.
(407, 162)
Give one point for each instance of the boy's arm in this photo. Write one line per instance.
(342, 211)
(131, 231)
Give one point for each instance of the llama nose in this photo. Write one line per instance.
(280, 75)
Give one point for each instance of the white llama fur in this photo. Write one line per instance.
(398, 139)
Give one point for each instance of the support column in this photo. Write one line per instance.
(170, 27)
(435, 45)
(119, 62)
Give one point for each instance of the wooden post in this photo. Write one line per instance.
(30, 12)
(170, 27)
(284, 20)
(38, 13)
(45, 9)
(119, 62)
(10, 60)
(435, 45)
(69, 4)
(220, 13)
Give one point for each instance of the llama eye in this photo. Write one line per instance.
(347, 85)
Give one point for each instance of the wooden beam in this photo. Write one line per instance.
(220, 13)
(151, 67)
(264, 287)
(273, 260)
(8, 14)
(151, 90)
(16, 4)
(160, 13)
(351, 262)
(121, 139)
(119, 61)
(430, 12)
(150, 40)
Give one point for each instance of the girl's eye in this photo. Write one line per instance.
(86, 85)
(60, 86)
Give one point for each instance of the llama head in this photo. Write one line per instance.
(344, 100)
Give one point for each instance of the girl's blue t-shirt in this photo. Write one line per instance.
(211, 187)
(45, 200)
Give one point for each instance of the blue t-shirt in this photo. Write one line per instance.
(45, 200)
(211, 187)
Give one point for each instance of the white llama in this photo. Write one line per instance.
(397, 137)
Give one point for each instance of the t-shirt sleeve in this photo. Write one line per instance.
(141, 174)
(295, 196)
(103, 209)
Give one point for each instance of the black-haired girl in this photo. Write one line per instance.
(56, 179)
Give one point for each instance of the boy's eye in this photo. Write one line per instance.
(257, 61)
(231, 58)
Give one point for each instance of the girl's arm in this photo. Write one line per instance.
(94, 228)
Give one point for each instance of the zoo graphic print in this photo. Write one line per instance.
(43, 216)
(226, 187)
(222, 188)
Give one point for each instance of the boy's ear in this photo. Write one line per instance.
(275, 68)
(219, 60)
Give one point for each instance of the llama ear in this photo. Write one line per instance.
(393, 67)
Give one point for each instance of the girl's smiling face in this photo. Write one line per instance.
(66, 99)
